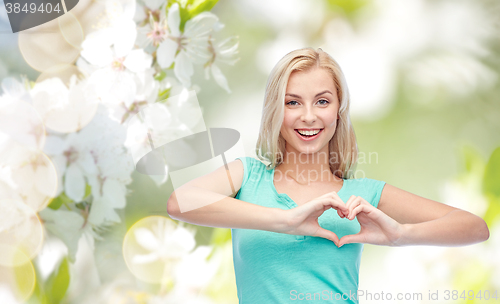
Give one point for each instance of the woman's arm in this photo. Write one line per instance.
(427, 222)
(209, 201)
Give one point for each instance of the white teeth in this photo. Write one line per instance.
(304, 132)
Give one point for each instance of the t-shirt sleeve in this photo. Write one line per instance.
(376, 188)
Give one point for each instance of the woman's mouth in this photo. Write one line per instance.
(308, 134)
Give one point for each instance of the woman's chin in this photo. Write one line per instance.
(307, 150)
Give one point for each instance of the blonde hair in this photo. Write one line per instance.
(271, 145)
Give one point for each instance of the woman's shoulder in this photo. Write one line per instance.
(254, 171)
(365, 180)
(366, 183)
(370, 189)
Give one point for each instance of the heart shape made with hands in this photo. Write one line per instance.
(376, 227)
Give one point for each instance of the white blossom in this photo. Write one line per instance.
(83, 160)
(64, 109)
(163, 122)
(164, 242)
(187, 47)
(14, 89)
(154, 29)
(19, 121)
(67, 225)
(222, 52)
(95, 156)
(195, 271)
(7, 295)
(120, 75)
(192, 275)
(20, 227)
(26, 174)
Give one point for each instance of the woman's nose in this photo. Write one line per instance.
(308, 115)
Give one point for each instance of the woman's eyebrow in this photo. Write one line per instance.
(319, 94)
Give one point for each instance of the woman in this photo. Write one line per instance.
(285, 216)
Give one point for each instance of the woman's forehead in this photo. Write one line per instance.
(310, 81)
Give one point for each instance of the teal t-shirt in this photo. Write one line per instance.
(273, 267)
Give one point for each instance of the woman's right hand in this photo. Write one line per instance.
(303, 220)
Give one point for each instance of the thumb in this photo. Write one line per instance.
(351, 238)
(327, 234)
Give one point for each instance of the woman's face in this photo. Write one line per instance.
(311, 107)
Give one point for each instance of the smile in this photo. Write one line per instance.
(308, 134)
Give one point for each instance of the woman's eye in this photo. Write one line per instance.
(292, 103)
(323, 102)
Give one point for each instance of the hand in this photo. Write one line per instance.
(376, 227)
(303, 220)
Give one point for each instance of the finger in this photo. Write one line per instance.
(336, 196)
(351, 238)
(341, 214)
(327, 234)
(321, 204)
(363, 201)
(336, 202)
(350, 200)
(352, 203)
(329, 194)
(357, 210)
(341, 202)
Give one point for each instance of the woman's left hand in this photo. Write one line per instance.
(376, 227)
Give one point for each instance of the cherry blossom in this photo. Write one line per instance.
(187, 47)
(163, 122)
(73, 145)
(120, 75)
(153, 28)
(95, 156)
(222, 52)
(64, 109)
(164, 241)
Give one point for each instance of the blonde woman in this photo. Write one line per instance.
(299, 222)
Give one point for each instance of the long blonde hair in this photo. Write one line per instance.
(271, 145)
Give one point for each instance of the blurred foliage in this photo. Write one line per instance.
(220, 236)
(473, 162)
(58, 282)
(63, 199)
(349, 7)
(57, 202)
(491, 187)
(24, 276)
(52, 290)
(471, 278)
(491, 184)
(191, 8)
(38, 296)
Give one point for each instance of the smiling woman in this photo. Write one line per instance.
(310, 116)
(287, 216)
